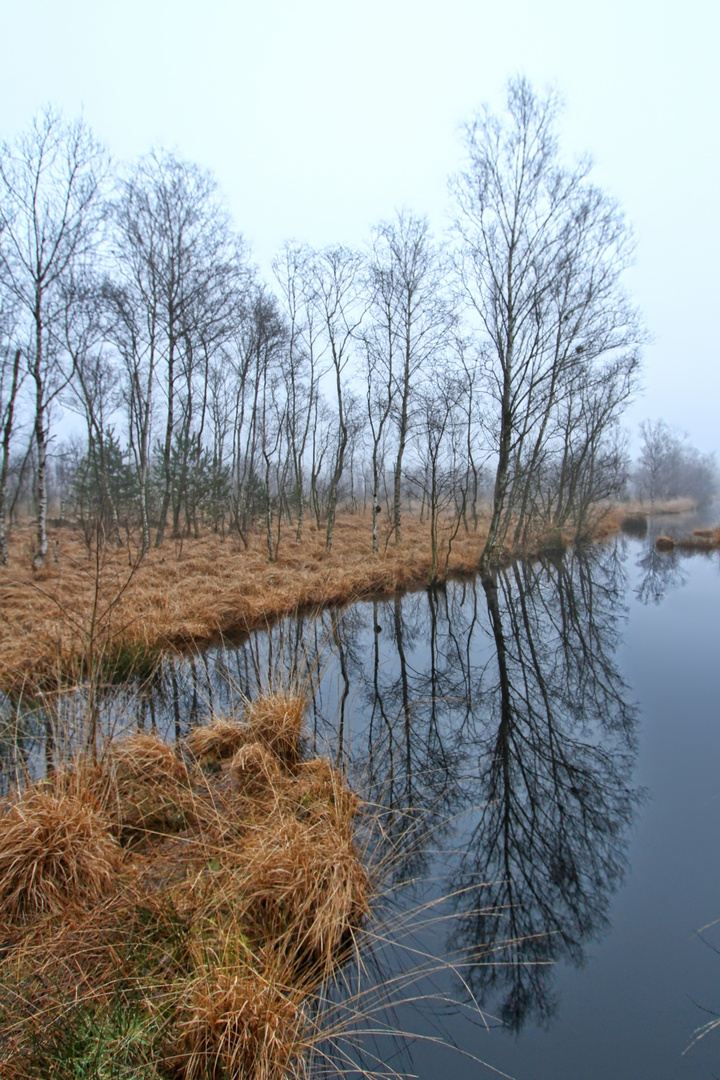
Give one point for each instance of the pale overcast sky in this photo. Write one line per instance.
(320, 117)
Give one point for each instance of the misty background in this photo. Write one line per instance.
(320, 119)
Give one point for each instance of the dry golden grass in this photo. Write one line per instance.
(55, 850)
(194, 591)
(240, 1025)
(194, 953)
(319, 787)
(219, 739)
(190, 594)
(701, 540)
(305, 881)
(255, 769)
(147, 786)
(276, 719)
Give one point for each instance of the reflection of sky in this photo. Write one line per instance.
(520, 802)
(629, 1012)
(321, 117)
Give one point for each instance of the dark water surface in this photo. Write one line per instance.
(542, 751)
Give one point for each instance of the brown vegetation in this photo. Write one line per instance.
(177, 946)
(85, 615)
(189, 592)
(701, 540)
(56, 849)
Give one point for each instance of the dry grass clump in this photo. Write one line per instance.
(665, 543)
(276, 720)
(149, 785)
(55, 850)
(322, 793)
(306, 883)
(254, 769)
(219, 739)
(240, 1025)
(701, 540)
(192, 955)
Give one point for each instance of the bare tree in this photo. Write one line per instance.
(11, 378)
(669, 467)
(381, 362)
(414, 317)
(50, 208)
(540, 257)
(175, 294)
(300, 362)
(336, 295)
(439, 438)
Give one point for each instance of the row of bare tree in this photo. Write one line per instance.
(670, 467)
(502, 356)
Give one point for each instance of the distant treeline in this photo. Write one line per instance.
(494, 363)
(669, 467)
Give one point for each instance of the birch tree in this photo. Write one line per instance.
(540, 256)
(50, 209)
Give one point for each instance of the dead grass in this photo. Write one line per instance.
(307, 885)
(255, 769)
(148, 787)
(701, 540)
(193, 592)
(193, 947)
(276, 721)
(239, 1026)
(219, 739)
(55, 850)
(190, 595)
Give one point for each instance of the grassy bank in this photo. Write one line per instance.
(90, 614)
(698, 540)
(82, 611)
(170, 912)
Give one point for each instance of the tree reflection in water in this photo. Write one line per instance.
(488, 726)
(662, 571)
(556, 740)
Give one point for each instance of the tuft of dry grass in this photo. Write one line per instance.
(276, 719)
(219, 739)
(665, 543)
(55, 850)
(197, 953)
(306, 882)
(322, 793)
(701, 540)
(147, 785)
(254, 769)
(241, 1025)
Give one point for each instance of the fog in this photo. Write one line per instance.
(321, 119)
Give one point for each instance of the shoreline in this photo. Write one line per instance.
(92, 614)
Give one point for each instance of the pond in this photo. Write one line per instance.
(541, 755)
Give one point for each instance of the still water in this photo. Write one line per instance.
(541, 752)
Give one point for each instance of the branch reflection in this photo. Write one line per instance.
(488, 727)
